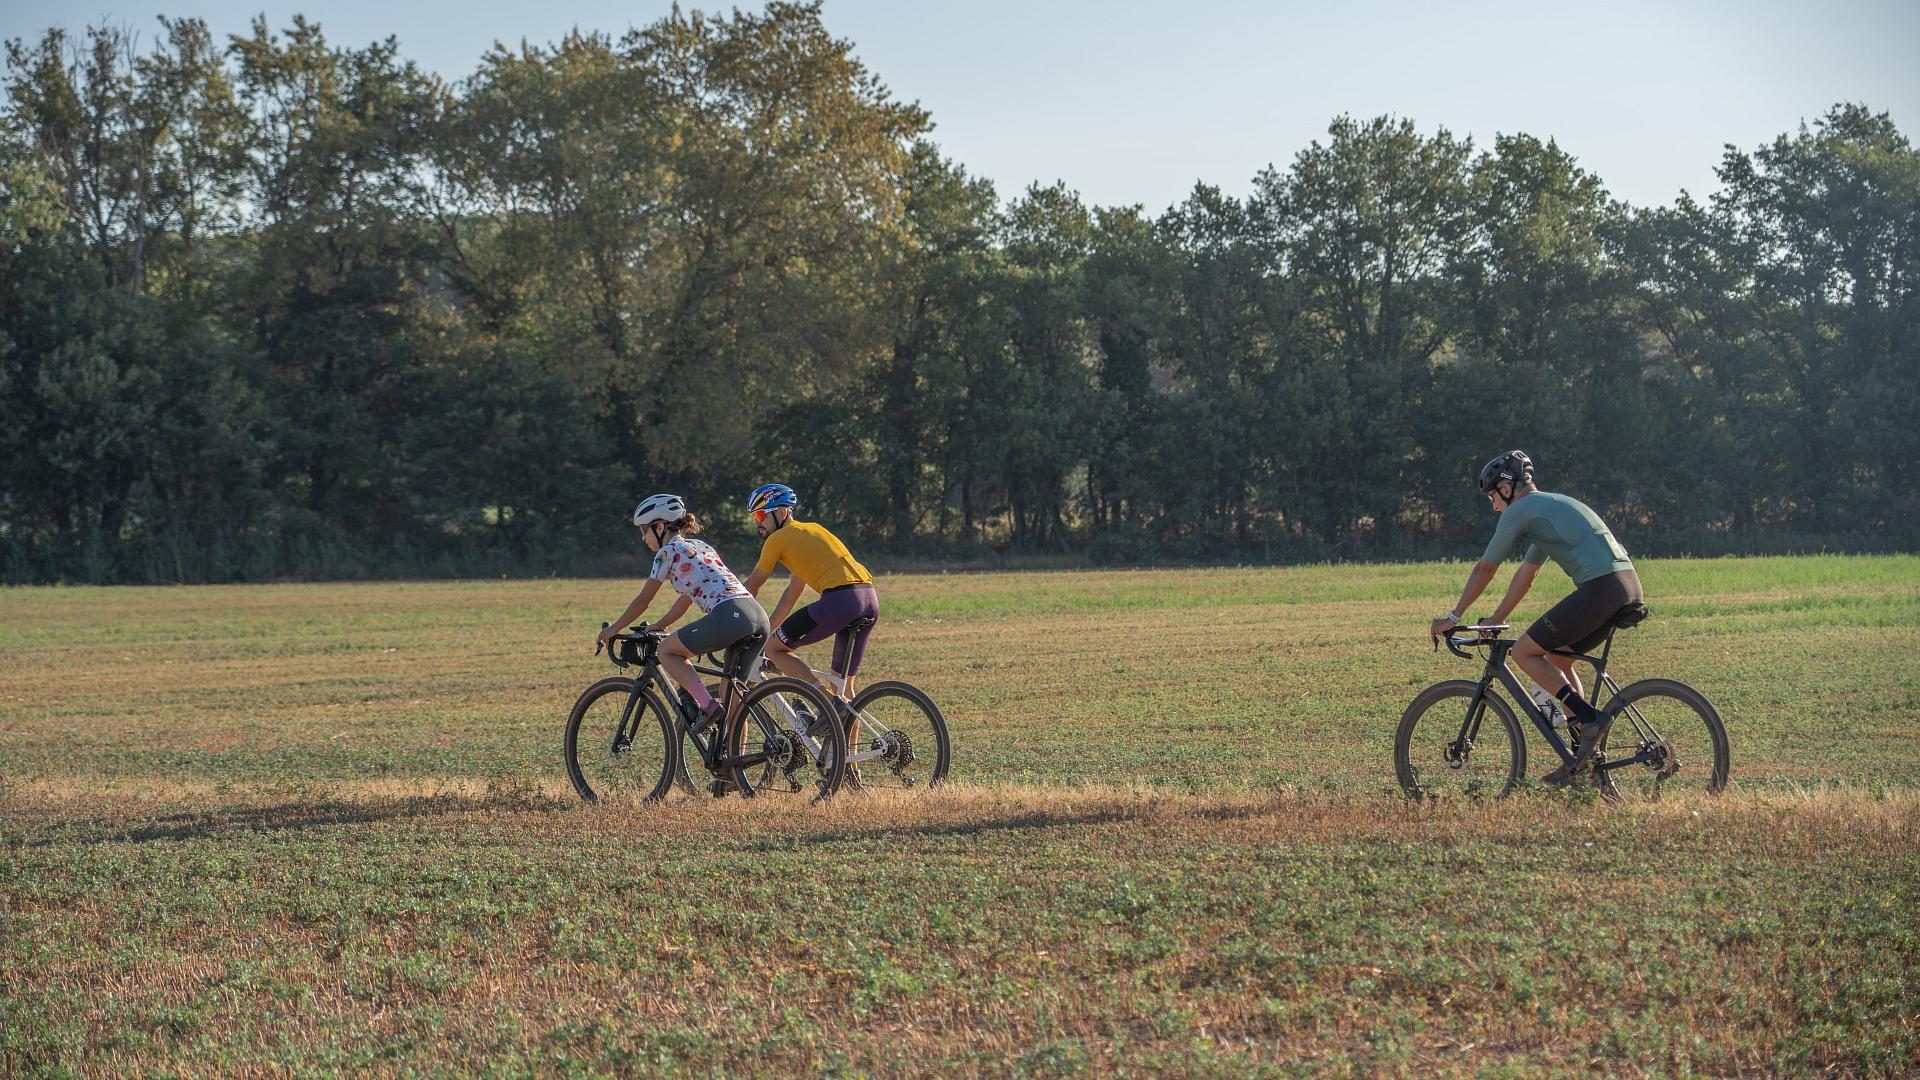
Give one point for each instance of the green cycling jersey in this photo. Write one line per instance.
(1562, 527)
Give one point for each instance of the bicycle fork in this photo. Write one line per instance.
(1461, 748)
(624, 731)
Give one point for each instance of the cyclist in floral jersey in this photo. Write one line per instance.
(698, 574)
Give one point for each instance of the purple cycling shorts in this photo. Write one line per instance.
(835, 613)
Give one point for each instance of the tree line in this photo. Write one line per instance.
(279, 307)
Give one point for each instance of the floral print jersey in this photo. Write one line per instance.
(695, 571)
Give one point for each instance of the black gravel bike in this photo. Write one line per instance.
(896, 736)
(627, 738)
(1461, 739)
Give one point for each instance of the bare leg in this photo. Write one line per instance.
(853, 724)
(1554, 673)
(1565, 664)
(1546, 670)
(790, 663)
(842, 660)
(676, 661)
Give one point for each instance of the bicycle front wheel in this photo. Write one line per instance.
(1666, 738)
(1456, 743)
(786, 738)
(896, 738)
(620, 745)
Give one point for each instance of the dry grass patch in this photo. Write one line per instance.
(977, 930)
(233, 845)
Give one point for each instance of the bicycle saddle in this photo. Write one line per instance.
(737, 652)
(1632, 615)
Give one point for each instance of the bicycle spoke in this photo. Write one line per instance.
(896, 738)
(1677, 737)
(616, 745)
(788, 731)
(1451, 746)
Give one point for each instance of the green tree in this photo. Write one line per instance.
(1133, 274)
(338, 265)
(1373, 225)
(1827, 219)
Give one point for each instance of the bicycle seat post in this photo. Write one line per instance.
(735, 666)
(1630, 616)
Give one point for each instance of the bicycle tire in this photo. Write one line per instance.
(942, 759)
(1420, 772)
(1689, 711)
(688, 752)
(754, 715)
(614, 763)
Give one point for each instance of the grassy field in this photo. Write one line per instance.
(311, 828)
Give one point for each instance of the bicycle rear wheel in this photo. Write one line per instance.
(788, 730)
(619, 747)
(897, 738)
(1449, 747)
(1677, 734)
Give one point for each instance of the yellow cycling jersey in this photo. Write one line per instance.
(813, 555)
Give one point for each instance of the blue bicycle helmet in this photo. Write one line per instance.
(771, 497)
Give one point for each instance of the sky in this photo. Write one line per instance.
(1131, 101)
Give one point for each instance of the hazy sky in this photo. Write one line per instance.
(1131, 101)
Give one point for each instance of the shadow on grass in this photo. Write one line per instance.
(1031, 819)
(279, 817)
(1240, 812)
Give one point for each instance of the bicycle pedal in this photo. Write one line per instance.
(720, 789)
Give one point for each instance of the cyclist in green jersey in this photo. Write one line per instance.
(1604, 582)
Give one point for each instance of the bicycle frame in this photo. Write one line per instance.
(710, 746)
(1497, 671)
(792, 719)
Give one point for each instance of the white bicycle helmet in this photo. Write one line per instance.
(666, 508)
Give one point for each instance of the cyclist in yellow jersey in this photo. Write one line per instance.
(848, 606)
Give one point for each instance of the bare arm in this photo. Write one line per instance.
(679, 608)
(756, 579)
(787, 600)
(1516, 591)
(1477, 579)
(633, 611)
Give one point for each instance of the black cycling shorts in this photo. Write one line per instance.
(1579, 623)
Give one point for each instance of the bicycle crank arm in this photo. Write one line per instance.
(1638, 759)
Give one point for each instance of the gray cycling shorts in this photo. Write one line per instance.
(728, 623)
